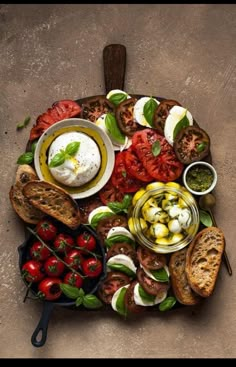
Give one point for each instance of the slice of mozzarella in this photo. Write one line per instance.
(175, 115)
(139, 111)
(114, 231)
(116, 296)
(122, 260)
(162, 294)
(150, 275)
(100, 209)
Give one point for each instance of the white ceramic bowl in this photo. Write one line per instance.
(97, 134)
(204, 164)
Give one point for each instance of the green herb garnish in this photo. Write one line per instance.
(70, 151)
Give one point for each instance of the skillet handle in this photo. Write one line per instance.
(114, 62)
(42, 325)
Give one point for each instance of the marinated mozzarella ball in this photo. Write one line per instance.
(185, 218)
(80, 168)
(174, 211)
(158, 230)
(151, 214)
(174, 226)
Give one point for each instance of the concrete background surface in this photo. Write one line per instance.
(183, 52)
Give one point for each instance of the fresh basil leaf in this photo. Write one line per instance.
(144, 295)
(23, 124)
(123, 269)
(167, 304)
(70, 291)
(33, 146)
(57, 160)
(156, 148)
(97, 217)
(25, 158)
(79, 301)
(201, 147)
(149, 109)
(81, 292)
(72, 148)
(160, 275)
(113, 129)
(120, 303)
(184, 122)
(118, 238)
(118, 207)
(127, 200)
(205, 218)
(92, 302)
(117, 98)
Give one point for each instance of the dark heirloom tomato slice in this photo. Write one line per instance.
(161, 113)
(110, 193)
(149, 259)
(94, 107)
(150, 286)
(125, 117)
(123, 248)
(129, 300)
(106, 224)
(120, 177)
(111, 284)
(87, 205)
(163, 167)
(191, 144)
(135, 167)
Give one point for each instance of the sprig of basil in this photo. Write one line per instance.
(117, 98)
(25, 158)
(122, 268)
(89, 301)
(156, 148)
(59, 158)
(205, 218)
(160, 275)
(167, 304)
(118, 238)
(149, 109)
(113, 129)
(184, 122)
(23, 124)
(118, 207)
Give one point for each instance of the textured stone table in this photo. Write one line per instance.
(184, 52)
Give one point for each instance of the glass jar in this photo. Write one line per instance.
(160, 193)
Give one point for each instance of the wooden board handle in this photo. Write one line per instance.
(114, 61)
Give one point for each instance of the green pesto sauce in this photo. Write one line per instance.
(199, 178)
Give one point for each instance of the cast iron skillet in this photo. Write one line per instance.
(90, 286)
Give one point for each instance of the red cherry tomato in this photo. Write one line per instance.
(92, 267)
(54, 267)
(31, 271)
(74, 259)
(46, 230)
(73, 279)
(63, 242)
(39, 252)
(86, 240)
(49, 289)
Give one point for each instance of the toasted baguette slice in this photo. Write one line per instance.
(181, 288)
(203, 260)
(54, 201)
(27, 212)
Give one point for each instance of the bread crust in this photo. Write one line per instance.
(203, 260)
(180, 286)
(26, 211)
(53, 201)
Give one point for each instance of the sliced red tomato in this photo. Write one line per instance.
(135, 167)
(87, 205)
(150, 286)
(111, 284)
(121, 179)
(60, 110)
(157, 155)
(125, 117)
(149, 259)
(107, 223)
(94, 107)
(129, 300)
(123, 248)
(110, 193)
(161, 113)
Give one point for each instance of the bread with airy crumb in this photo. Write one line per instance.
(53, 201)
(180, 286)
(26, 211)
(203, 260)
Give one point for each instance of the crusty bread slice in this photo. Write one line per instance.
(54, 201)
(203, 260)
(27, 212)
(180, 286)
